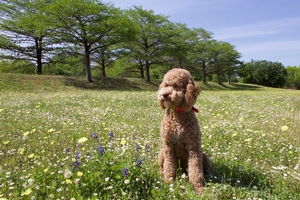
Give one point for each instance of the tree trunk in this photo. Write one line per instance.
(142, 73)
(38, 47)
(219, 81)
(229, 77)
(147, 70)
(88, 65)
(103, 68)
(141, 69)
(203, 73)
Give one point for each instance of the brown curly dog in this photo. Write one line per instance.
(180, 132)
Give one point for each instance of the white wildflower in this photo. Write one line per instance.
(68, 174)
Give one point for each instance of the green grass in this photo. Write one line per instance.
(37, 83)
(250, 132)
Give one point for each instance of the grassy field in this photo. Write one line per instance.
(62, 138)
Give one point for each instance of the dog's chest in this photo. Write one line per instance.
(177, 129)
(174, 134)
(179, 134)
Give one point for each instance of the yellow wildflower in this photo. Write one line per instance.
(284, 128)
(21, 151)
(50, 130)
(82, 140)
(27, 192)
(31, 155)
(26, 133)
(123, 142)
(68, 181)
(79, 174)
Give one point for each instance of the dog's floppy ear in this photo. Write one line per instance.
(192, 91)
(161, 104)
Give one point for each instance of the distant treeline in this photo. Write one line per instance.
(94, 38)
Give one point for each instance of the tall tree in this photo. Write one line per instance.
(154, 31)
(224, 60)
(180, 47)
(245, 71)
(104, 57)
(202, 51)
(89, 26)
(24, 32)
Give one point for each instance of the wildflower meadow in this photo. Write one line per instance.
(98, 144)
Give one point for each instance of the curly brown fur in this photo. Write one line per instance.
(180, 132)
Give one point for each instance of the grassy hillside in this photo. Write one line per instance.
(21, 82)
(92, 143)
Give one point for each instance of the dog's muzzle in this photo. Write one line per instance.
(164, 94)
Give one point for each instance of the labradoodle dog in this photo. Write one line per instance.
(180, 132)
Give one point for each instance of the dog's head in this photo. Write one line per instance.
(178, 90)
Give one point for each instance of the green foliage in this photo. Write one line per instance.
(19, 67)
(262, 72)
(123, 67)
(293, 78)
(65, 65)
(155, 33)
(50, 144)
(25, 32)
(214, 78)
(90, 26)
(213, 57)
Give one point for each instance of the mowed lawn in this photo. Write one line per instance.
(70, 143)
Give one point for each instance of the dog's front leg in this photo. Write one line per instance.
(195, 172)
(170, 164)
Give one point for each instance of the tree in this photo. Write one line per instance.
(176, 53)
(267, 73)
(245, 71)
(65, 64)
(154, 32)
(88, 26)
(224, 60)
(104, 57)
(24, 32)
(293, 77)
(17, 66)
(201, 54)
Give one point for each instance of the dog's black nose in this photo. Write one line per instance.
(165, 95)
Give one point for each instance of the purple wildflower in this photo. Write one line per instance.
(77, 155)
(101, 150)
(139, 162)
(67, 150)
(138, 147)
(111, 135)
(76, 164)
(147, 148)
(94, 135)
(125, 171)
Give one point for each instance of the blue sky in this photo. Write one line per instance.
(259, 29)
